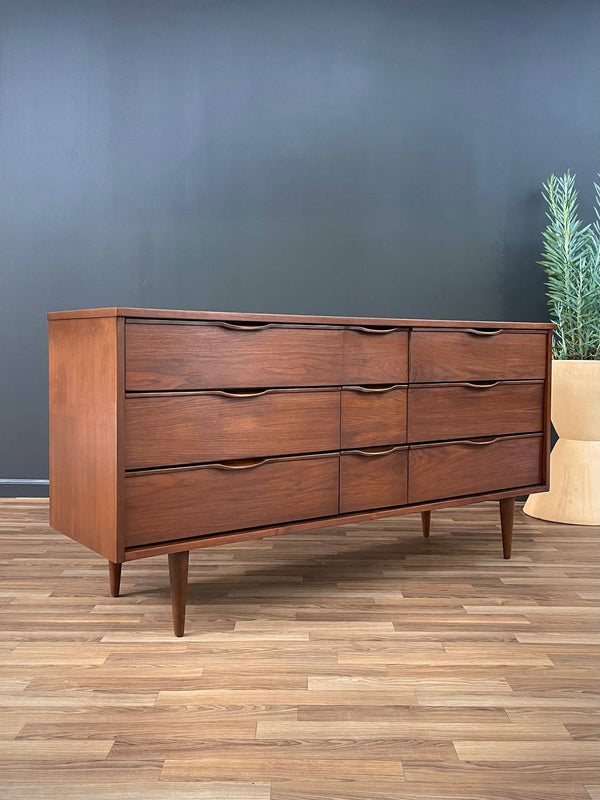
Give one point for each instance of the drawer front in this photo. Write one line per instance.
(224, 356)
(471, 355)
(184, 503)
(449, 470)
(220, 426)
(373, 416)
(463, 410)
(373, 479)
(374, 355)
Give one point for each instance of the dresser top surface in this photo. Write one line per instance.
(236, 316)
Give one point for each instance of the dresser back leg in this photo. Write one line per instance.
(114, 576)
(425, 522)
(507, 512)
(178, 576)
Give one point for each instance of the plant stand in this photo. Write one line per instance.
(574, 495)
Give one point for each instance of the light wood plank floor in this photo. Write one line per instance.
(355, 662)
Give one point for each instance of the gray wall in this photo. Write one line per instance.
(339, 157)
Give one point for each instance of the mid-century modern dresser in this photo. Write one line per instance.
(173, 430)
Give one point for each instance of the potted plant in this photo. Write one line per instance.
(571, 259)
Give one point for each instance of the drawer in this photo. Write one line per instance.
(373, 415)
(439, 471)
(471, 355)
(373, 478)
(220, 355)
(375, 355)
(163, 430)
(450, 411)
(197, 501)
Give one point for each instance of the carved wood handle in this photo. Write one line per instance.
(385, 452)
(251, 465)
(479, 385)
(237, 395)
(364, 329)
(238, 326)
(471, 441)
(369, 389)
(481, 332)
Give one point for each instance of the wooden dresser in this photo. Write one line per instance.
(172, 430)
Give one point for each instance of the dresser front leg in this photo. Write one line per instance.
(425, 522)
(507, 513)
(178, 576)
(114, 576)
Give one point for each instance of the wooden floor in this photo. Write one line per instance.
(356, 662)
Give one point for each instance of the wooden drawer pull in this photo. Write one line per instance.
(385, 452)
(472, 441)
(478, 385)
(236, 326)
(482, 332)
(372, 389)
(246, 465)
(236, 395)
(363, 329)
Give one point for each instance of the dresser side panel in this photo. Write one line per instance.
(547, 446)
(85, 403)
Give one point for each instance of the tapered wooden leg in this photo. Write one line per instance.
(114, 576)
(507, 513)
(178, 576)
(425, 522)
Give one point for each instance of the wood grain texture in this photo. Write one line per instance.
(373, 416)
(177, 504)
(375, 356)
(453, 673)
(114, 577)
(455, 411)
(466, 356)
(164, 357)
(171, 356)
(178, 580)
(426, 523)
(471, 466)
(85, 390)
(373, 478)
(507, 510)
(353, 518)
(162, 430)
(236, 316)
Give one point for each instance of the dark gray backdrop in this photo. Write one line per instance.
(344, 157)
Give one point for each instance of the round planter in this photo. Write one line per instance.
(574, 495)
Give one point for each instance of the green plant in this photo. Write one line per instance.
(571, 259)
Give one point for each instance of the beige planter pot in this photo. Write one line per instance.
(574, 495)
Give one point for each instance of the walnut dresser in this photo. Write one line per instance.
(173, 430)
